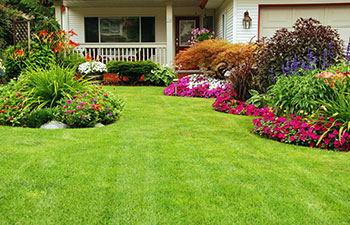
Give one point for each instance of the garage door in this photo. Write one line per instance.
(273, 18)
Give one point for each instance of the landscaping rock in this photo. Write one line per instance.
(99, 125)
(54, 125)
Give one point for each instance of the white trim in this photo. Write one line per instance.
(234, 22)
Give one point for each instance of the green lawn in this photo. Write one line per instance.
(168, 160)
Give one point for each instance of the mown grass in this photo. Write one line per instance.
(168, 160)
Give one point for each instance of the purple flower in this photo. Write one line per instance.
(107, 108)
(69, 101)
(111, 114)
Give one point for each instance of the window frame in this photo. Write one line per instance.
(140, 30)
(224, 26)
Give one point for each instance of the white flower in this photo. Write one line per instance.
(92, 67)
(196, 80)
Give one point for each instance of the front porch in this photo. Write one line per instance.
(150, 29)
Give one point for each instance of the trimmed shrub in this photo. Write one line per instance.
(208, 55)
(131, 72)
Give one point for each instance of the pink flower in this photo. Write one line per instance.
(83, 116)
(68, 111)
(78, 107)
(82, 103)
(64, 106)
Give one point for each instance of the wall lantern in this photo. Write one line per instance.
(247, 21)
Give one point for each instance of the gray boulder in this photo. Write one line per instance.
(54, 125)
(99, 125)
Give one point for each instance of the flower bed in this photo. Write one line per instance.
(300, 131)
(292, 130)
(40, 96)
(198, 86)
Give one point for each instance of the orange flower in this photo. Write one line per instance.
(71, 32)
(62, 32)
(43, 32)
(88, 58)
(19, 52)
(72, 43)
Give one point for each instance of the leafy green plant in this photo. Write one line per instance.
(298, 94)
(47, 86)
(162, 75)
(257, 99)
(39, 117)
(15, 62)
(72, 60)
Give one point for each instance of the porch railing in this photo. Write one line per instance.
(124, 52)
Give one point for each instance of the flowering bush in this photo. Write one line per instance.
(199, 35)
(198, 86)
(92, 67)
(86, 110)
(300, 131)
(14, 106)
(307, 35)
(48, 48)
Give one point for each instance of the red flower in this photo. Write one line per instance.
(19, 52)
(2, 111)
(11, 118)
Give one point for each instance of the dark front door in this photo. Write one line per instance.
(184, 26)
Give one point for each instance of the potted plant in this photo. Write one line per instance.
(92, 69)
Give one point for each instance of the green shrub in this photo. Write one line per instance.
(39, 117)
(162, 76)
(308, 35)
(132, 70)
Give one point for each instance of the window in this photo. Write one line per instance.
(223, 26)
(148, 29)
(209, 22)
(91, 29)
(120, 29)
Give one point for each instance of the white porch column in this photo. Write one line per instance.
(169, 33)
(58, 11)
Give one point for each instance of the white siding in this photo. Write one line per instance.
(227, 9)
(76, 18)
(252, 6)
(244, 35)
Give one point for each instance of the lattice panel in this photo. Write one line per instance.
(21, 32)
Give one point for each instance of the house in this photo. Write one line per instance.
(157, 29)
